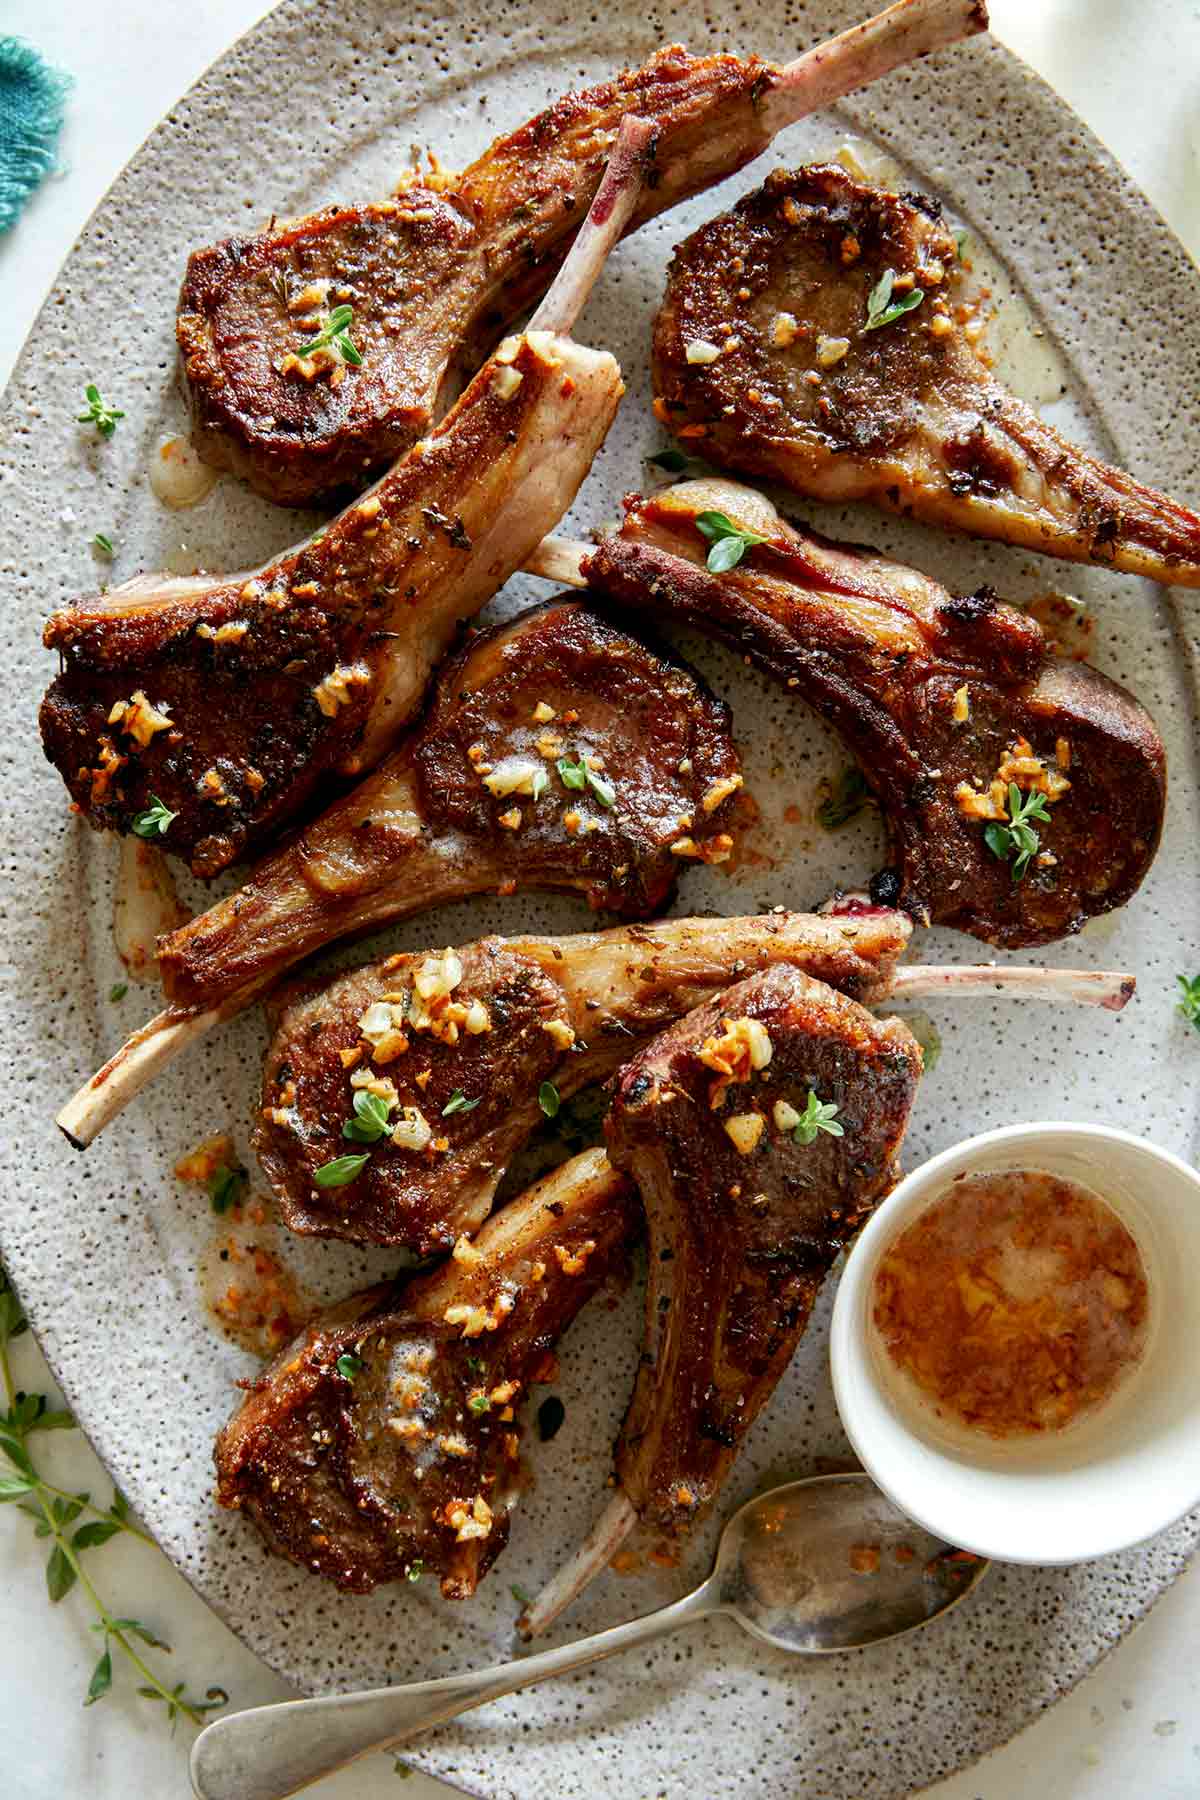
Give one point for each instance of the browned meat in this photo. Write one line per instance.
(747, 1210)
(488, 791)
(905, 414)
(228, 700)
(456, 1047)
(945, 701)
(385, 1441)
(433, 276)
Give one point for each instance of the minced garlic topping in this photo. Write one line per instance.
(960, 712)
(785, 330)
(139, 718)
(573, 1263)
(745, 1129)
(1024, 770)
(562, 1034)
(830, 350)
(743, 1047)
(701, 351)
(380, 1085)
(477, 1319)
(414, 1131)
(334, 691)
(720, 790)
(470, 1519)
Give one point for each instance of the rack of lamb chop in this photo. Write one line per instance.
(421, 285)
(556, 751)
(207, 711)
(385, 1440)
(813, 336)
(761, 1131)
(1023, 793)
(395, 1096)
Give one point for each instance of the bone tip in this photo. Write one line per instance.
(1119, 999)
(76, 1143)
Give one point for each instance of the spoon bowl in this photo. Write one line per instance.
(830, 1564)
(811, 1567)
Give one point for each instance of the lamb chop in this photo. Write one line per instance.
(206, 711)
(978, 744)
(557, 751)
(385, 1440)
(450, 1058)
(423, 284)
(814, 335)
(761, 1130)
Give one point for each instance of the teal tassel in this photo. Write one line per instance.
(32, 99)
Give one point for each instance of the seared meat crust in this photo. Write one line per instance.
(739, 1244)
(409, 1463)
(930, 691)
(906, 415)
(612, 990)
(425, 827)
(277, 681)
(434, 276)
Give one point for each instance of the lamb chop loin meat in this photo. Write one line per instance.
(950, 704)
(434, 275)
(748, 1204)
(766, 362)
(454, 1050)
(385, 1441)
(557, 752)
(227, 700)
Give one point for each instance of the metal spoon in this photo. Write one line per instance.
(819, 1565)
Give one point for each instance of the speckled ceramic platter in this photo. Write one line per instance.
(323, 101)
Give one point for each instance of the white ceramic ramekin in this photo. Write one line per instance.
(1110, 1480)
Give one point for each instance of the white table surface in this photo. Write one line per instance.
(1131, 68)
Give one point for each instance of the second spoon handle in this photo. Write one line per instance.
(270, 1752)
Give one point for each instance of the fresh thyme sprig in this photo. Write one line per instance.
(1017, 838)
(54, 1512)
(580, 774)
(99, 413)
(818, 1115)
(154, 821)
(847, 796)
(729, 542)
(335, 335)
(882, 309)
(1189, 1003)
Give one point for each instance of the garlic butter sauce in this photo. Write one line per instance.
(1017, 1304)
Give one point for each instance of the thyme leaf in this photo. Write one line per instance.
(1017, 838)
(882, 309)
(729, 542)
(155, 821)
(818, 1115)
(99, 413)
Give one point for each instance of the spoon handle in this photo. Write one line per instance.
(269, 1752)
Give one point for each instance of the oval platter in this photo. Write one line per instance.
(318, 102)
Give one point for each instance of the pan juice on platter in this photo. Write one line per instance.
(1017, 1305)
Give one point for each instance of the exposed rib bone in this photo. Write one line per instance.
(1082, 987)
(558, 559)
(155, 1044)
(579, 1571)
(865, 52)
(610, 212)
